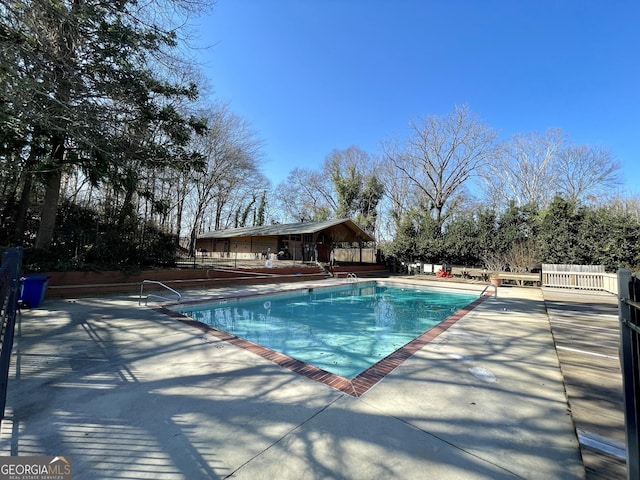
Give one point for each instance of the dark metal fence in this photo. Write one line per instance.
(629, 302)
(9, 294)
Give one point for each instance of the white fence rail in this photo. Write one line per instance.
(607, 282)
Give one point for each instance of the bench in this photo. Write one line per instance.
(472, 273)
(520, 278)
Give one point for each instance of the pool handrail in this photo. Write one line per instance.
(155, 282)
(352, 277)
(487, 287)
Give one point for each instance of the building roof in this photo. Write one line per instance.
(341, 230)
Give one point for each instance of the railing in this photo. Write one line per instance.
(629, 303)
(246, 273)
(495, 288)
(520, 278)
(9, 293)
(154, 282)
(581, 280)
(352, 277)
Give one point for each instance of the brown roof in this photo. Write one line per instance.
(341, 230)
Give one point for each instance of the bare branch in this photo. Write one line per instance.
(442, 153)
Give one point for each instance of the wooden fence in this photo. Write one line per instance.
(584, 277)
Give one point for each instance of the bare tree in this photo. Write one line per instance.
(522, 171)
(231, 151)
(584, 172)
(624, 205)
(523, 256)
(441, 154)
(399, 197)
(306, 195)
(531, 169)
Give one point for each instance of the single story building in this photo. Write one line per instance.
(305, 241)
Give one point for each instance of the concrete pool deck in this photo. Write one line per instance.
(128, 392)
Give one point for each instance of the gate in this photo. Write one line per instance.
(629, 302)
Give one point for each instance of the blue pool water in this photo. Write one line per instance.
(343, 330)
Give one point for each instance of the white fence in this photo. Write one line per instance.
(584, 277)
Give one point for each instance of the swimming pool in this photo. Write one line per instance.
(343, 330)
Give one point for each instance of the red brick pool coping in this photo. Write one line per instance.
(355, 387)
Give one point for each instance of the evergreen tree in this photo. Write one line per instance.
(82, 83)
(261, 209)
(558, 238)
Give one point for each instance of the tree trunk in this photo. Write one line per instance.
(51, 196)
(23, 204)
(49, 210)
(193, 235)
(127, 208)
(26, 180)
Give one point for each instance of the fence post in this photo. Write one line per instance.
(630, 364)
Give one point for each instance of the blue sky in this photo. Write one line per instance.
(314, 76)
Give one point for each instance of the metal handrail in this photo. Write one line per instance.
(155, 282)
(352, 277)
(490, 285)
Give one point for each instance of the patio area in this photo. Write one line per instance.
(125, 391)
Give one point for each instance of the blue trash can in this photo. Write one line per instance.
(32, 289)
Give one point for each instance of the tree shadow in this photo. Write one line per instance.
(125, 391)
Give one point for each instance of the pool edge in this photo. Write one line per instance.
(355, 387)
